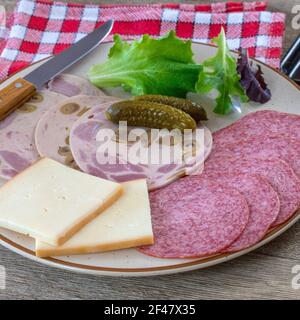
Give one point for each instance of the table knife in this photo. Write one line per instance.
(22, 89)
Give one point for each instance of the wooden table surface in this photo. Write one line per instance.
(264, 274)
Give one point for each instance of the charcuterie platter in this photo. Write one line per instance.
(247, 195)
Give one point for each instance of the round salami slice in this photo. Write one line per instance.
(70, 86)
(278, 173)
(262, 200)
(53, 130)
(192, 220)
(263, 147)
(17, 147)
(90, 151)
(260, 123)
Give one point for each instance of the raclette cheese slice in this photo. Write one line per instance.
(125, 224)
(51, 202)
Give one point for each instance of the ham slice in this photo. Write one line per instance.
(88, 149)
(70, 86)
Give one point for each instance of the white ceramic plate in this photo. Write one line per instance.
(286, 97)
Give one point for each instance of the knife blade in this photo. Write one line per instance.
(22, 89)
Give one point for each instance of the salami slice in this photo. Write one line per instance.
(53, 129)
(277, 172)
(192, 220)
(260, 123)
(262, 200)
(17, 147)
(87, 151)
(70, 86)
(263, 147)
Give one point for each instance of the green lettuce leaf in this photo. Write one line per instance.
(220, 73)
(149, 66)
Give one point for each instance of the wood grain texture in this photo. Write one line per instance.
(264, 274)
(15, 95)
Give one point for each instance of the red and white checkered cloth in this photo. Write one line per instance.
(41, 28)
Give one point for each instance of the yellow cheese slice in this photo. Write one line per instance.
(51, 202)
(125, 224)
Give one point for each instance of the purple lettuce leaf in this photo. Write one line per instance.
(252, 79)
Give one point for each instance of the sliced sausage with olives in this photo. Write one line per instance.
(17, 147)
(53, 130)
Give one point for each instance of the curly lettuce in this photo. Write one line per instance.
(149, 66)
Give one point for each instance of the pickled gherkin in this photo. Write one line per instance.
(149, 114)
(195, 110)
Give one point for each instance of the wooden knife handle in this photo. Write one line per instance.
(14, 95)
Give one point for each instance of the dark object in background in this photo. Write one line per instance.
(290, 64)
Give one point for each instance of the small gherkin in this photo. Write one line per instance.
(195, 110)
(150, 114)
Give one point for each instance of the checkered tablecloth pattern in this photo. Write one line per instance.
(40, 28)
